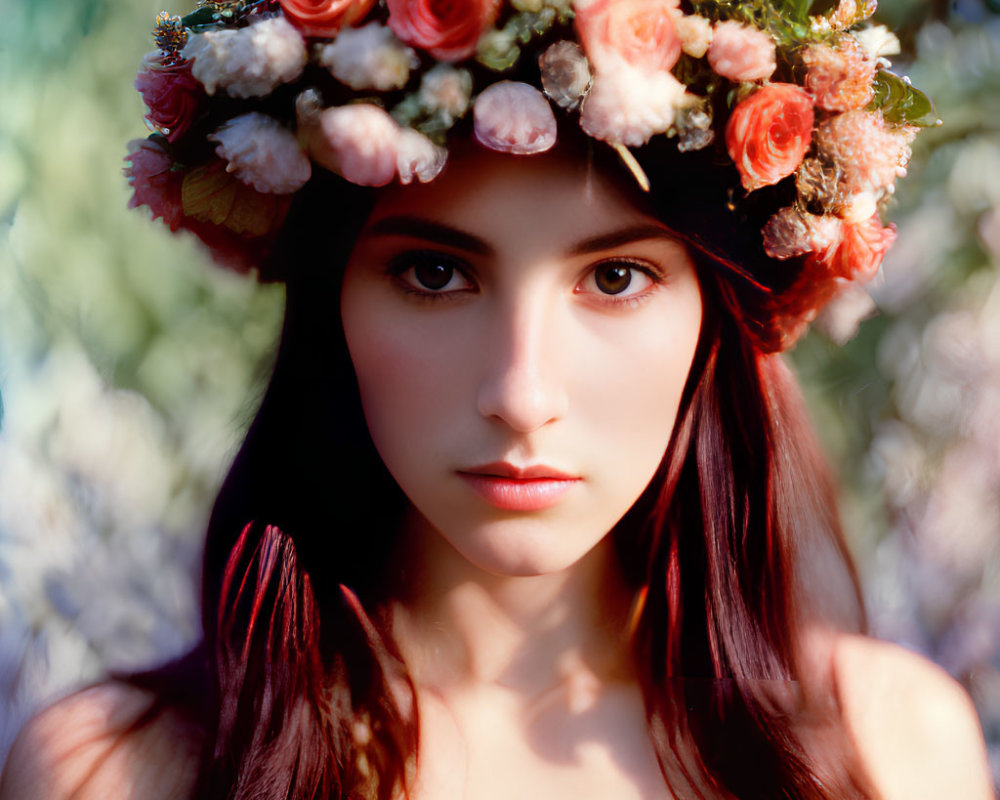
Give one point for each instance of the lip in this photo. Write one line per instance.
(513, 488)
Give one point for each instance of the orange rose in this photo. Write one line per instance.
(323, 18)
(447, 29)
(639, 32)
(768, 134)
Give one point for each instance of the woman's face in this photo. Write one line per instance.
(521, 333)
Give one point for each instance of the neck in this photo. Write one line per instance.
(461, 627)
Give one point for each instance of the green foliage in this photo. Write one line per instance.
(902, 103)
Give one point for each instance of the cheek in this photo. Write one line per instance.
(632, 405)
(409, 387)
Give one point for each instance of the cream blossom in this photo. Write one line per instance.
(262, 153)
(741, 52)
(446, 90)
(370, 57)
(628, 106)
(513, 117)
(878, 41)
(247, 62)
(565, 73)
(695, 33)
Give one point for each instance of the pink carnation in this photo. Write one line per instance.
(860, 251)
(449, 31)
(359, 142)
(235, 224)
(791, 232)
(153, 181)
(514, 117)
(870, 153)
(839, 78)
(262, 153)
(637, 33)
(741, 52)
(171, 93)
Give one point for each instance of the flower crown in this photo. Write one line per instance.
(245, 97)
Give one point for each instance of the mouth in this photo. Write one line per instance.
(512, 488)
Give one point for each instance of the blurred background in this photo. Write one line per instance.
(129, 368)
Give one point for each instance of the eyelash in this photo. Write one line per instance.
(404, 262)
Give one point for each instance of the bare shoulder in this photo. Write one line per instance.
(110, 740)
(914, 726)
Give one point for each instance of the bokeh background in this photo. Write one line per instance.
(129, 368)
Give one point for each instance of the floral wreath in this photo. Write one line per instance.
(246, 97)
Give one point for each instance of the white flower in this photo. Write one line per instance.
(513, 117)
(446, 90)
(628, 106)
(262, 153)
(370, 57)
(695, 33)
(247, 62)
(417, 157)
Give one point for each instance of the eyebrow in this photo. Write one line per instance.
(420, 228)
(609, 241)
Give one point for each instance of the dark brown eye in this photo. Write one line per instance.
(433, 273)
(613, 278)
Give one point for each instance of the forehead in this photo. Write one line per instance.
(552, 199)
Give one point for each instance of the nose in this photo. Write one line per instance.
(522, 366)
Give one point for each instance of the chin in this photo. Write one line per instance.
(523, 549)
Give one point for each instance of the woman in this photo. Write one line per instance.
(538, 511)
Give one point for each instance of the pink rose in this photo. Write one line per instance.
(172, 95)
(447, 29)
(359, 142)
(640, 33)
(860, 251)
(513, 117)
(153, 181)
(324, 18)
(741, 52)
(768, 134)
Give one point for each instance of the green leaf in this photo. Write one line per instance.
(902, 103)
(793, 10)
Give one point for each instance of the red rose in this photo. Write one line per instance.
(639, 32)
(860, 251)
(447, 29)
(324, 18)
(768, 134)
(172, 95)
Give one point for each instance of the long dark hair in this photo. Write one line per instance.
(305, 694)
